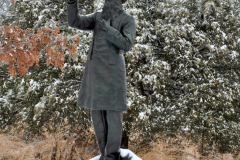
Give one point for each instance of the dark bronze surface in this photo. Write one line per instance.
(104, 81)
(104, 88)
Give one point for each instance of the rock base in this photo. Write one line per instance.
(126, 154)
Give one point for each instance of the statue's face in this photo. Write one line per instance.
(109, 3)
(111, 8)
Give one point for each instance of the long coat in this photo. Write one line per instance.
(104, 84)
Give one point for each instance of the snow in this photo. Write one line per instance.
(2, 100)
(41, 104)
(40, 17)
(33, 85)
(141, 115)
(234, 54)
(129, 102)
(223, 47)
(124, 153)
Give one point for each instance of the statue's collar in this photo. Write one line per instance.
(118, 14)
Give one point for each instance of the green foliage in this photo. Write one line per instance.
(183, 72)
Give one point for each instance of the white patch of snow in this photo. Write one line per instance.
(123, 153)
(35, 10)
(185, 128)
(33, 85)
(40, 105)
(96, 158)
(40, 17)
(141, 115)
(212, 47)
(3, 100)
(234, 54)
(129, 102)
(223, 47)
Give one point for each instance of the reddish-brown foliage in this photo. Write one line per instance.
(21, 48)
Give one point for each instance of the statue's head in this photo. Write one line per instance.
(116, 1)
(112, 8)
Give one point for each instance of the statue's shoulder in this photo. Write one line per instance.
(127, 16)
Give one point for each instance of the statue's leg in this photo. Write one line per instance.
(100, 128)
(114, 120)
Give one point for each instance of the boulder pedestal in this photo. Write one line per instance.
(126, 154)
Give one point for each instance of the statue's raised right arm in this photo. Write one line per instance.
(75, 20)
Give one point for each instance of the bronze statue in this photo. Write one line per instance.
(104, 88)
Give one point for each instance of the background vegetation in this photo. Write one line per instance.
(182, 73)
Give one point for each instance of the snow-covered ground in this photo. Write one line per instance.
(124, 153)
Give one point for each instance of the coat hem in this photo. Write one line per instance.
(123, 110)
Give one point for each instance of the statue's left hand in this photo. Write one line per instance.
(104, 24)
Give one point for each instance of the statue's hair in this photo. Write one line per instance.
(110, 8)
(123, 1)
(118, 1)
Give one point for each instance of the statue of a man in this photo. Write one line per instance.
(104, 88)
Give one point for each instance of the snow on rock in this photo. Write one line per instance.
(96, 158)
(124, 153)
